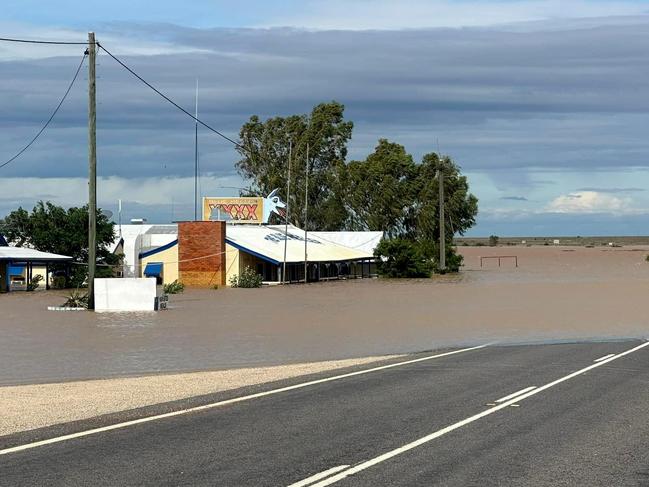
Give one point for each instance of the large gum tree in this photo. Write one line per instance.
(265, 149)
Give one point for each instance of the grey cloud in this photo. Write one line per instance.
(514, 198)
(613, 190)
(497, 99)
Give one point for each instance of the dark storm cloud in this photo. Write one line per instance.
(568, 98)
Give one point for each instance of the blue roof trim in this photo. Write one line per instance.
(251, 252)
(159, 249)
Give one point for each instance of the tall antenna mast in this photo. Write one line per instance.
(119, 216)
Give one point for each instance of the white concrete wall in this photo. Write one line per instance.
(125, 294)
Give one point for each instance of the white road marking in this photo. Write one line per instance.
(605, 357)
(319, 476)
(393, 453)
(515, 394)
(235, 400)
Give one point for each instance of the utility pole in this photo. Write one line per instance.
(442, 227)
(288, 199)
(196, 157)
(306, 214)
(92, 170)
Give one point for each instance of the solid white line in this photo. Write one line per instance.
(393, 453)
(319, 476)
(515, 394)
(605, 357)
(226, 402)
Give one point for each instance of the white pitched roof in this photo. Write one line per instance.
(363, 241)
(26, 254)
(268, 242)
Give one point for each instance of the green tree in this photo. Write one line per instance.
(15, 227)
(389, 192)
(51, 228)
(265, 154)
(402, 257)
(460, 206)
(379, 190)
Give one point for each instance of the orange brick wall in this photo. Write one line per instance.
(199, 239)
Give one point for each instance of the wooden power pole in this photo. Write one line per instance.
(92, 170)
(306, 215)
(442, 226)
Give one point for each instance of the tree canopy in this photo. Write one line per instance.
(51, 228)
(266, 147)
(387, 191)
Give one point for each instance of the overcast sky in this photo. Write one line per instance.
(544, 104)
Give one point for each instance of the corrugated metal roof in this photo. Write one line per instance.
(268, 242)
(163, 229)
(363, 241)
(26, 254)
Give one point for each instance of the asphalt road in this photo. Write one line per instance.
(433, 422)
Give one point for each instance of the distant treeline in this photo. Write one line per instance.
(563, 240)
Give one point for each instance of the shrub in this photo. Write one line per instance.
(647, 258)
(247, 279)
(58, 282)
(493, 240)
(400, 257)
(78, 277)
(77, 299)
(175, 287)
(35, 283)
(453, 261)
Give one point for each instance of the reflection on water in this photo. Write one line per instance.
(553, 295)
(126, 320)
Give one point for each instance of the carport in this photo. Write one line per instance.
(17, 266)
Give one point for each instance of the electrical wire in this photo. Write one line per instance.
(220, 134)
(140, 78)
(33, 41)
(76, 74)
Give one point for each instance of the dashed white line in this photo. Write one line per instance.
(319, 476)
(421, 441)
(605, 357)
(235, 400)
(515, 394)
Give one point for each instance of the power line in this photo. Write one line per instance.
(33, 41)
(236, 144)
(76, 74)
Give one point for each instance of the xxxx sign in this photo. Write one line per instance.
(243, 210)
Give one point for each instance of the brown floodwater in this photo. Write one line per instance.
(555, 294)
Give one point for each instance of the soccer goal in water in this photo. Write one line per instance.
(500, 258)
